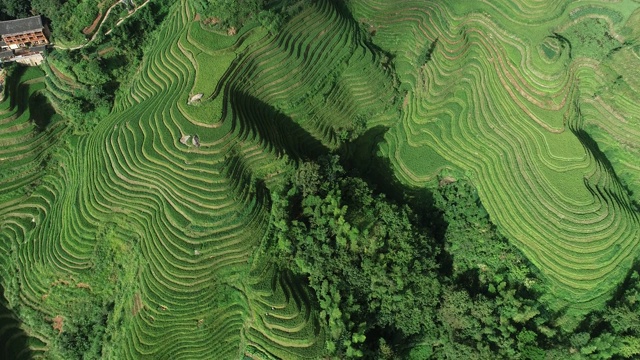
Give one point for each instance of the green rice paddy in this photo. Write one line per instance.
(545, 128)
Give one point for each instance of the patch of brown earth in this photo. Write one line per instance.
(82, 285)
(58, 323)
(106, 51)
(446, 181)
(211, 21)
(91, 28)
(60, 282)
(62, 76)
(197, 17)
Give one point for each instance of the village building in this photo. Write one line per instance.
(23, 40)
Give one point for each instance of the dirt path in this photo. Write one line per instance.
(104, 18)
(105, 51)
(126, 17)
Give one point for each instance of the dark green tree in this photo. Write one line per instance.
(369, 262)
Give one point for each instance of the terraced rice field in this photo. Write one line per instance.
(24, 159)
(192, 213)
(179, 193)
(504, 98)
(183, 218)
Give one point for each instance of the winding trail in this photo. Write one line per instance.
(104, 18)
(126, 17)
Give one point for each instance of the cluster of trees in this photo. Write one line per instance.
(68, 17)
(109, 62)
(235, 13)
(371, 267)
(439, 284)
(12, 9)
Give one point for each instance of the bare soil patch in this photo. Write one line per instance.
(82, 285)
(106, 51)
(211, 21)
(58, 323)
(91, 28)
(62, 76)
(446, 181)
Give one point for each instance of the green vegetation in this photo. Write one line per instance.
(387, 286)
(230, 15)
(12, 9)
(367, 261)
(324, 179)
(67, 17)
(511, 117)
(92, 75)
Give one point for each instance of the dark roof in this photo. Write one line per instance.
(39, 48)
(6, 54)
(2, 43)
(19, 26)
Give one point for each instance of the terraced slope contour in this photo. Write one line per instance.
(495, 90)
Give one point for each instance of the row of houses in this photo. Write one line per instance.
(24, 40)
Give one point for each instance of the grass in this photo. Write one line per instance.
(507, 116)
(193, 215)
(526, 114)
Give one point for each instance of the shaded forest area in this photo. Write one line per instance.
(428, 279)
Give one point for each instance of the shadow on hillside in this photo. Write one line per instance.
(14, 341)
(17, 94)
(631, 206)
(252, 118)
(361, 158)
(245, 186)
(40, 110)
(594, 323)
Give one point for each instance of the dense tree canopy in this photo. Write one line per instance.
(368, 260)
(232, 14)
(12, 9)
(387, 287)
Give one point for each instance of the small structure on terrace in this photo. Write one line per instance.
(24, 40)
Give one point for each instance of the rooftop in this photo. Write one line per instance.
(6, 54)
(21, 25)
(39, 48)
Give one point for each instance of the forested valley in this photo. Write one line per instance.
(428, 279)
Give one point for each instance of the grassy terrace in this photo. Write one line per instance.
(181, 220)
(506, 103)
(466, 88)
(28, 127)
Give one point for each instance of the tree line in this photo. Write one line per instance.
(394, 281)
(233, 14)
